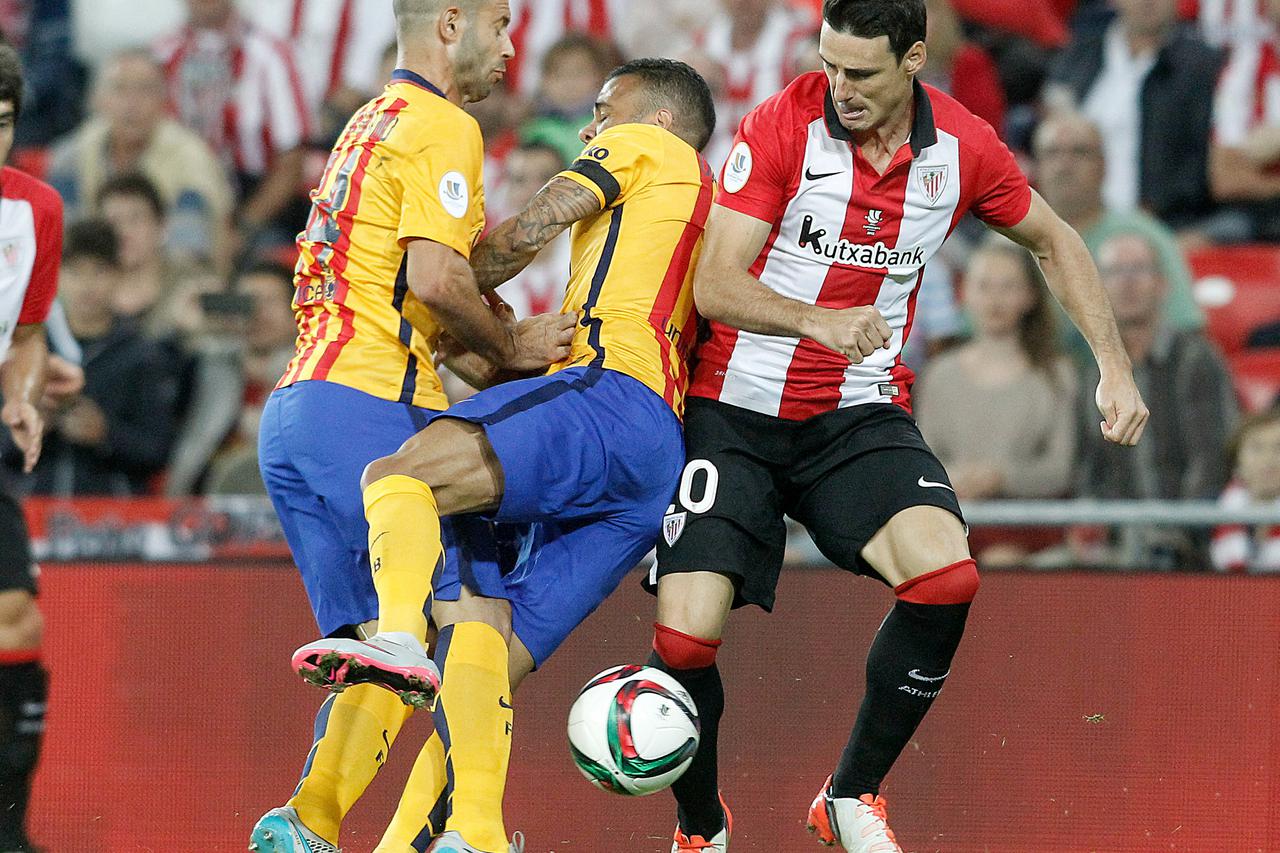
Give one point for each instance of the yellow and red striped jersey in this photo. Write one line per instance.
(408, 166)
(631, 274)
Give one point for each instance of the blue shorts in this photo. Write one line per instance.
(590, 459)
(314, 443)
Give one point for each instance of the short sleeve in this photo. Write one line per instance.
(43, 286)
(618, 162)
(755, 177)
(1002, 196)
(443, 197)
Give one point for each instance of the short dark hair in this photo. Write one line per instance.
(674, 84)
(94, 239)
(11, 78)
(134, 185)
(903, 21)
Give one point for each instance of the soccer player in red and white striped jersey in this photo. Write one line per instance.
(30, 253)
(836, 194)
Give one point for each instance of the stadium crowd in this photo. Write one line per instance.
(1151, 126)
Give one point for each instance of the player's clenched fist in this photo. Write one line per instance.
(543, 340)
(852, 332)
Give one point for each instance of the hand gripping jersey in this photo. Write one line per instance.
(845, 236)
(631, 273)
(408, 166)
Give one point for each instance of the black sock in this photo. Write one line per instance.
(906, 668)
(698, 791)
(23, 691)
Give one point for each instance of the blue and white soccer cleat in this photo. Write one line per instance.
(394, 660)
(451, 842)
(280, 831)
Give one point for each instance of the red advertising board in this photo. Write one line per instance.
(1107, 713)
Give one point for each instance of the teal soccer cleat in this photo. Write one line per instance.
(280, 831)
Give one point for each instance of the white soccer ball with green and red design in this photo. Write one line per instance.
(633, 730)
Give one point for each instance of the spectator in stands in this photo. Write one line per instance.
(572, 72)
(338, 47)
(150, 276)
(1244, 162)
(130, 133)
(1255, 459)
(752, 41)
(961, 67)
(999, 410)
(1069, 168)
(115, 435)
(237, 86)
(1188, 389)
(246, 342)
(53, 99)
(1147, 82)
(536, 25)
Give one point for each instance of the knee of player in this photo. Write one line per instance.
(21, 623)
(954, 584)
(376, 470)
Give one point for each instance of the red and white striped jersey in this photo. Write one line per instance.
(30, 251)
(1248, 95)
(336, 44)
(239, 89)
(845, 236)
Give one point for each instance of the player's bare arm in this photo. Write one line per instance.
(514, 244)
(22, 384)
(725, 291)
(1073, 278)
(443, 280)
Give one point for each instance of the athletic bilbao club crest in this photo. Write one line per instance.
(933, 180)
(673, 526)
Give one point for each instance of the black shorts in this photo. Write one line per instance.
(841, 474)
(17, 569)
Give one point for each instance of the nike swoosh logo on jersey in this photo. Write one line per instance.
(810, 176)
(915, 673)
(925, 484)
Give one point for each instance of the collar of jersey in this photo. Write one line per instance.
(924, 132)
(402, 74)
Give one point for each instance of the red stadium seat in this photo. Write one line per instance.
(1257, 378)
(1238, 287)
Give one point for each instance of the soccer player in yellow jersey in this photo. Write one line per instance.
(581, 463)
(382, 271)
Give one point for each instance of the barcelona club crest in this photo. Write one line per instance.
(933, 180)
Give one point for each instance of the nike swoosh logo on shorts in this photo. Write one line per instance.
(915, 673)
(925, 484)
(810, 176)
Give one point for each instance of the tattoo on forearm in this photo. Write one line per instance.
(514, 243)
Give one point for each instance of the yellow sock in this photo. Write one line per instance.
(421, 793)
(355, 731)
(474, 718)
(404, 547)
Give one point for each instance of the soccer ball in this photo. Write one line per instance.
(633, 730)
